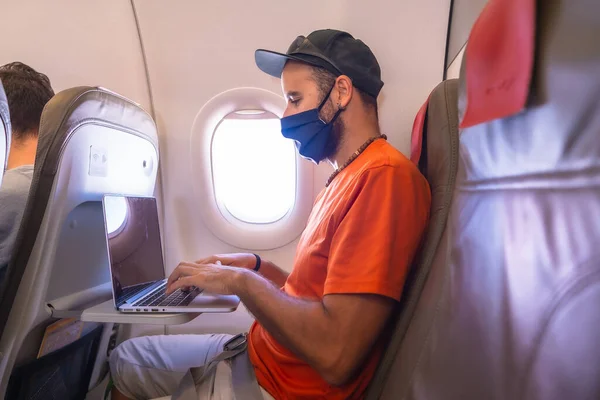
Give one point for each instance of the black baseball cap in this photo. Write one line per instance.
(336, 51)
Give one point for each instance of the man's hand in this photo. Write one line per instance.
(214, 278)
(248, 261)
(241, 260)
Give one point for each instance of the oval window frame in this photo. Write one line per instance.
(225, 226)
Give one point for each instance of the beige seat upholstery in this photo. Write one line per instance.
(435, 150)
(510, 307)
(91, 142)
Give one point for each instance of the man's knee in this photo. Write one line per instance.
(154, 365)
(143, 352)
(119, 362)
(130, 370)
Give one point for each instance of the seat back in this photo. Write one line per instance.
(435, 150)
(510, 306)
(91, 142)
(4, 131)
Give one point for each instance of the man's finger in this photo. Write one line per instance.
(174, 275)
(207, 260)
(183, 269)
(221, 259)
(184, 281)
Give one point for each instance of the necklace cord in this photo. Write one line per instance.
(353, 157)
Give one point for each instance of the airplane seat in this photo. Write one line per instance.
(4, 131)
(91, 142)
(434, 149)
(509, 309)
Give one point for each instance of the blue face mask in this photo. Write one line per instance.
(309, 131)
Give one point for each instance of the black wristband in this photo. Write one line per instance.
(257, 266)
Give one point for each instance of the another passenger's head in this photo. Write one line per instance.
(27, 92)
(331, 76)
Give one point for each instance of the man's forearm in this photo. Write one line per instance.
(273, 273)
(300, 325)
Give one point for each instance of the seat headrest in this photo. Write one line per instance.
(498, 62)
(5, 130)
(443, 99)
(76, 106)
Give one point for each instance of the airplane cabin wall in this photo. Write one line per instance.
(464, 14)
(76, 43)
(453, 71)
(196, 50)
(409, 40)
(194, 54)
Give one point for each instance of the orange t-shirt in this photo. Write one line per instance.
(361, 237)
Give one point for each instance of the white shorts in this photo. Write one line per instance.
(150, 367)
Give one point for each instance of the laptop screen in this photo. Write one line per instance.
(134, 247)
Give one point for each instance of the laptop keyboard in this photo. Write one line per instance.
(177, 298)
(131, 290)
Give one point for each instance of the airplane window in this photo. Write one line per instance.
(254, 167)
(252, 189)
(116, 215)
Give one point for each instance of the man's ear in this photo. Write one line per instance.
(345, 91)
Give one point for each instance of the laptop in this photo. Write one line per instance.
(136, 262)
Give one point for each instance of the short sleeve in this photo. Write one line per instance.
(379, 234)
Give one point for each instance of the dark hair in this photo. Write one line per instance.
(325, 81)
(27, 92)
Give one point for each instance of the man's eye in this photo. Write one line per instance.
(294, 101)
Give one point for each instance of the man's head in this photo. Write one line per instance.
(332, 69)
(27, 92)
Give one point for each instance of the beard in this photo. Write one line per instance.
(337, 131)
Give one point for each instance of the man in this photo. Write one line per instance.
(27, 92)
(320, 331)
